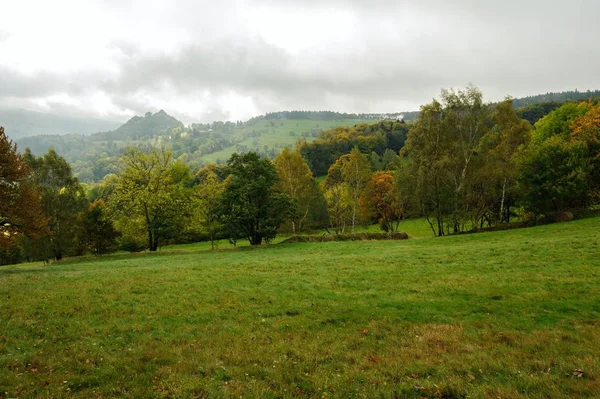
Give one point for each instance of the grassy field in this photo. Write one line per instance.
(279, 135)
(507, 314)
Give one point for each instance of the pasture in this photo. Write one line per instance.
(502, 315)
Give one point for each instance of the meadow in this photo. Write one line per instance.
(277, 134)
(507, 314)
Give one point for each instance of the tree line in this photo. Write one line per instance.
(463, 165)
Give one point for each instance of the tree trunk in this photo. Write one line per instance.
(150, 239)
(502, 201)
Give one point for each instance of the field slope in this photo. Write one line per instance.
(507, 314)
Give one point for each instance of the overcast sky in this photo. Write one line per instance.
(234, 59)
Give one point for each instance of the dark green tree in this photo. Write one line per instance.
(62, 200)
(99, 235)
(251, 207)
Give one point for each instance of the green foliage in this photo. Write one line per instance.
(554, 176)
(205, 203)
(558, 122)
(251, 207)
(331, 145)
(534, 112)
(98, 233)
(153, 188)
(62, 198)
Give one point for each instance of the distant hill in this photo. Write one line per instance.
(558, 97)
(96, 155)
(139, 128)
(20, 123)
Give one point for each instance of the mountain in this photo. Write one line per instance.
(139, 128)
(20, 123)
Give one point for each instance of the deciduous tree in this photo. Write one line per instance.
(20, 210)
(152, 186)
(251, 206)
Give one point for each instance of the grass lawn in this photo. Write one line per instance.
(506, 314)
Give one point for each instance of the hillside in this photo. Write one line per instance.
(21, 123)
(454, 317)
(95, 156)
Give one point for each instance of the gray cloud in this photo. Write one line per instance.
(396, 56)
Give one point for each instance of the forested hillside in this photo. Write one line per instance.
(95, 156)
(334, 134)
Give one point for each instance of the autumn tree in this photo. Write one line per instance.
(297, 182)
(356, 172)
(381, 200)
(20, 210)
(251, 207)
(338, 198)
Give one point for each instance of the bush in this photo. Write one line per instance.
(346, 237)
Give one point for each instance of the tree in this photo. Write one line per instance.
(500, 150)
(99, 235)
(339, 206)
(297, 182)
(20, 210)
(426, 163)
(381, 200)
(559, 168)
(442, 154)
(338, 198)
(356, 171)
(586, 130)
(251, 206)
(63, 198)
(554, 176)
(206, 199)
(152, 187)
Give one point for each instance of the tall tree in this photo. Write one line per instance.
(206, 199)
(20, 210)
(442, 150)
(152, 187)
(63, 198)
(251, 206)
(297, 182)
(500, 150)
(356, 172)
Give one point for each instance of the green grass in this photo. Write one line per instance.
(506, 314)
(278, 135)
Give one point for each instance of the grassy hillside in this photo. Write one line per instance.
(507, 314)
(278, 134)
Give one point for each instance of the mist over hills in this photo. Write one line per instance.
(22, 123)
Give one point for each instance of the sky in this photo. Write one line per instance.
(202, 61)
